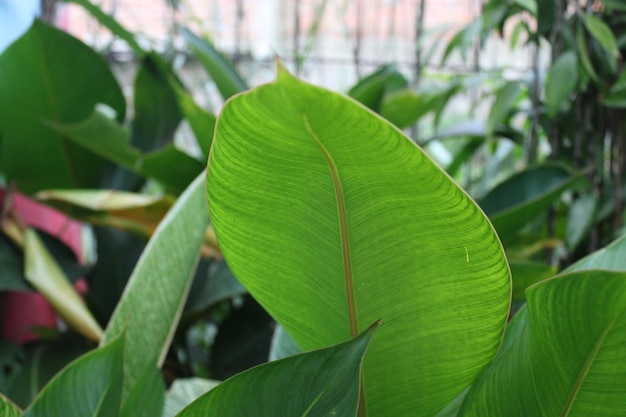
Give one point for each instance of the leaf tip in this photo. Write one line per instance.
(281, 70)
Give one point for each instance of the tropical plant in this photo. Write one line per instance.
(375, 263)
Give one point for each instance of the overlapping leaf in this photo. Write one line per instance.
(333, 219)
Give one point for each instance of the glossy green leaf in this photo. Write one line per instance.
(155, 294)
(38, 87)
(566, 355)
(505, 100)
(602, 33)
(8, 409)
(526, 195)
(326, 382)
(371, 89)
(111, 24)
(226, 78)
(89, 386)
(562, 80)
(183, 391)
(137, 213)
(105, 137)
(332, 219)
(45, 275)
(527, 273)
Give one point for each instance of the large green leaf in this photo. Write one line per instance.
(319, 383)
(333, 219)
(90, 386)
(566, 354)
(47, 75)
(155, 294)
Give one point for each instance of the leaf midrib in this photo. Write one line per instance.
(585, 369)
(343, 226)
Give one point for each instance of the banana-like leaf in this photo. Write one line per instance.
(44, 273)
(315, 384)
(90, 386)
(332, 219)
(565, 354)
(8, 409)
(155, 294)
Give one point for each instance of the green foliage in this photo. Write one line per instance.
(332, 219)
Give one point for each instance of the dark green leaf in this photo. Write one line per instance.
(154, 297)
(36, 87)
(226, 78)
(39, 363)
(602, 33)
(526, 195)
(105, 137)
(242, 341)
(583, 54)
(156, 106)
(90, 386)
(326, 381)
(546, 16)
